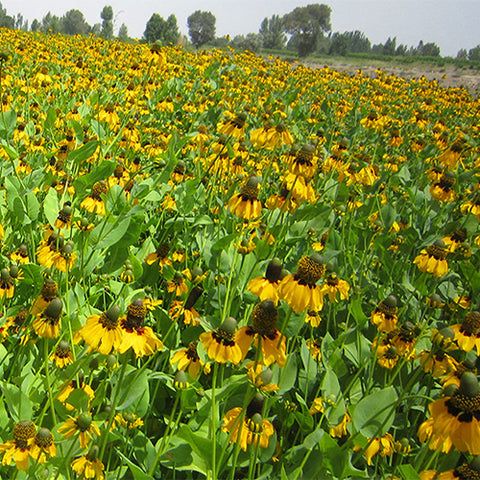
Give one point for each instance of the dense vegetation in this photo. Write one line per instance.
(215, 265)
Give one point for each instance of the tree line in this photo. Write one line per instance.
(304, 30)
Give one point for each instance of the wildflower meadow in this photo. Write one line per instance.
(221, 266)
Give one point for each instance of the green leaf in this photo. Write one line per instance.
(200, 444)
(407, 471)
(19, 405)
(374, 414)
(8, 121)
(50, 206)
(114, 233)
(288, 374)
(387, 215)
(33, 207)
(137, 472)
(85, 183)
(313, 438)
(224, 242)
(84, 152)
(134, 391)
(50, 120)
(337, 460)
(357, 311)
(11, 152)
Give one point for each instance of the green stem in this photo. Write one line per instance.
(169, 429)
(213, 423)
(47, 380)
(114, 403)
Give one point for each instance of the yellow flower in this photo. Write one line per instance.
(266, 287)
(47, 324)
(315, 347)
(140, 338)
(433, 259)
(383, 445)
(70, 388)
(18, 449)
(317, 406)
(42, 446)
(457, 416)
(340, 430)
(264, 335)
(334, 287)
(48, 293)
(384, 316)
(261, 376)
(20, 255)
(177, 285)
(102, 332)
(128, 420)
(246, 204)
(221, 344)
(300, 290)
(234, 126)
(467, 334)
(252, 429)
(94, 202)
(62, 355)
(313, 318)
(159, 255)
(83, 425)
(89, 466)
(188, 358)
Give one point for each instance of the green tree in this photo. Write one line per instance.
(251, 42)
(159, 29)
(427, 49)
(107, 22)
(474, 54)
(35, 26)
(6, 21)
(307, 25)
(462, 54)
(20, 23)
(123, 33)
(349, 42)
(390, 46)
(51, 23)
(172, 30)
(272, 33)
(73, 23)
(201, 27)
(339, 44)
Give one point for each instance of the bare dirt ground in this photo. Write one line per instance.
(447, 75)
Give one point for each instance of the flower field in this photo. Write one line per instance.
(215, 265)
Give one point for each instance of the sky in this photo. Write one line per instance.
(451, 24)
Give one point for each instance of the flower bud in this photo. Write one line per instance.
(469, 384)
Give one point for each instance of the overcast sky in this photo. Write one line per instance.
(451, 24)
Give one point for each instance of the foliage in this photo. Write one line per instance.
(272, 32)
(107, 22)
(51, 24)
(427, 49)
(6, 21)
(474, 54)
(73, 23)
(307, 24)
(201, 27)
(123, 33)
(214, 265)
(164, 31)
(348, 42)
(462, 54)
(251, 42)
